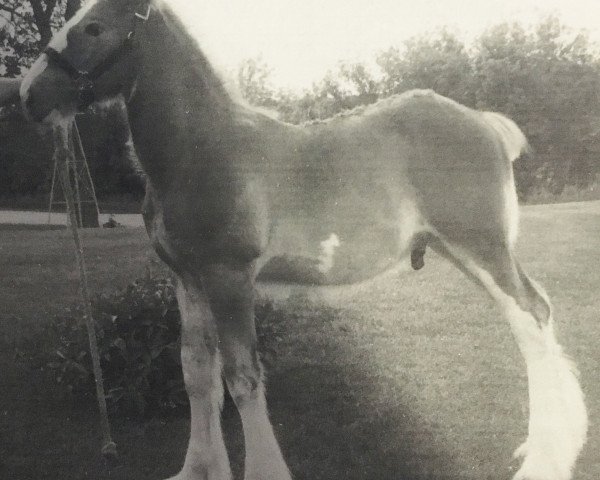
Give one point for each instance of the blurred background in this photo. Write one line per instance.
(537, 62)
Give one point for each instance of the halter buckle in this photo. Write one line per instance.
(144, 17)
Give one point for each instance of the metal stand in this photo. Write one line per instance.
(86, 203)
(63, 158)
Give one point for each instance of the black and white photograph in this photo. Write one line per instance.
(282, 240)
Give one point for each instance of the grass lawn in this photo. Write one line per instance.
(415, 378)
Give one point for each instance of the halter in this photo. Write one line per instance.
(85, 80)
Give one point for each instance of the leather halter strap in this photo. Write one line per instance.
(84, 80)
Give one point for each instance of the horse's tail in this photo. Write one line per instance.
(513, 139)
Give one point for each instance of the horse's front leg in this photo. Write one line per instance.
(231, 293)
(206, 456)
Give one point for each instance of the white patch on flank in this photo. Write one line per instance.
(327, 253)
(59, 40)
(557, 413)
(36, 69)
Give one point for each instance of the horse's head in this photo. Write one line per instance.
(91, 59)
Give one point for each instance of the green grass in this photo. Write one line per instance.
(416, 377)
(114, 203)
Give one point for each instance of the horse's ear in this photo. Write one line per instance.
(140, 7)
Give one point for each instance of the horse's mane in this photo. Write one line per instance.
(202, 61)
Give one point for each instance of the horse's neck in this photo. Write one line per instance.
(179, 109)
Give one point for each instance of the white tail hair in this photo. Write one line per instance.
(513, 139)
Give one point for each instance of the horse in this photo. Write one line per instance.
(236, 198)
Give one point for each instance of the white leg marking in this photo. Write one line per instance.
(264, 460)
(557, 413)
(206, 456)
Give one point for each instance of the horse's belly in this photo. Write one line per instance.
(314, 253)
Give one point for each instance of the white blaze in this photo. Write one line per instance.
(59, 41)
(36, 69)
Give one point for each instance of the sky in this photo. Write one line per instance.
(302, 39)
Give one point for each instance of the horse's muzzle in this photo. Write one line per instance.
(46, 90)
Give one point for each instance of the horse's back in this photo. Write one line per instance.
(457, 166)
(342, 200)
(358, 189)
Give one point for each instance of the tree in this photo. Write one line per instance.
(9, 91)
(29, 24)
(548, 80)
(348, 86)
(71, 8)
(360, 80)
(439, 61)
(255, 84)
(26, 27)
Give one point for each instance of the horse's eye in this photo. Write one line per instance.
(94, 29)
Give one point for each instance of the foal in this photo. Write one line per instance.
(234, 196)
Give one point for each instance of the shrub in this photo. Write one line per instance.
(138, 333)
(138, 339)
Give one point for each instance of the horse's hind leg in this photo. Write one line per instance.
(557, 414)
(206, 456)
(231, 292)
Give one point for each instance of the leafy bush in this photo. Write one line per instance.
(139, 343)
(138, 338)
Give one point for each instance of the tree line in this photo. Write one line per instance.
(545, 77)
(26, 27)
